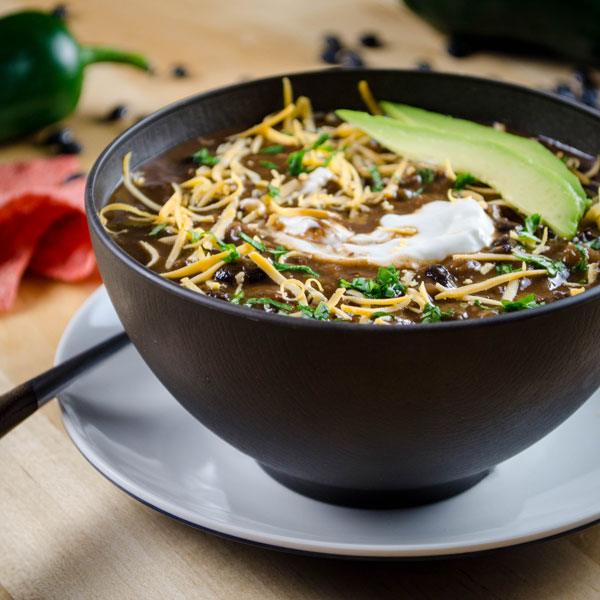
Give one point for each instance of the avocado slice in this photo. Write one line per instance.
(527, 187)
(532, 151)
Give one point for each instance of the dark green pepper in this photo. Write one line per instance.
(548, 27)
(41, 71)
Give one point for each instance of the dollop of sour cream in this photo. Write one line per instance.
(442, 228)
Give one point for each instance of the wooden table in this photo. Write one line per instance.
(66, 532)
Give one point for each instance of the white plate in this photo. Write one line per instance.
(133, 431)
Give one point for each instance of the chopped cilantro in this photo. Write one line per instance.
(158, 228)
(294, 162)
(482, 305)
(527, 232)
(300, 268)
(504, 268)
(462, 180)
(593, 244)
(270, 302)
(267, 164)
(204, 157)
(237, 298)
(279, 251)
(522, 304)
(376, 178)
(554, 267)
(386, 285)
(195, 235)
(254, 243)
(273, 191)
(434, 314)
(320, 140)
(426, 175)
(379, 313)
(582, 265)
(330, 157)
(321, 313)
(275, 149)
(231, 248)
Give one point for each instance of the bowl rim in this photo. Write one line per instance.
(275, 319)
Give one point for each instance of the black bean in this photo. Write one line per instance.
(73, 176)
(225, 275)
(60, 11)
(371, 40)
(254, 274)
(441, 275)
(503, 224)
(349, 59)
(459, 47)
(502, 245)
(564, 90)
(58, 136)
(584, 76)
(180, 71)
(590, 97)
(117, 113)
(332, 47)
(72, 147)
(423, 65)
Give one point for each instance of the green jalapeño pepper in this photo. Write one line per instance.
(41, 71)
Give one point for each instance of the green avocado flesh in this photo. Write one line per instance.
(533, 152)
(526, 186)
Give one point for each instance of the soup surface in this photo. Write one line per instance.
(308, 216)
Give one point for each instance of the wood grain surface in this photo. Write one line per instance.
(66, 532)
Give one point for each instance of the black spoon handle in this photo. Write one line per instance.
(22, 401)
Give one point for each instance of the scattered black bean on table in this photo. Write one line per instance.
(349, 59)
(60, 11)
(423, 65)
(72, 147)
(117, 113)
(180, 71)
(332, 46)
(371, 40)
(59, 136)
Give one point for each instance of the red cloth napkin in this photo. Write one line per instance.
(42, 223)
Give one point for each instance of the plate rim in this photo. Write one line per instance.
(276, 541)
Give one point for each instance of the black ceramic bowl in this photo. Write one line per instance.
(350, 413)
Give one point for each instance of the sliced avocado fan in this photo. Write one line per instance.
(533, 152)
(527, 187)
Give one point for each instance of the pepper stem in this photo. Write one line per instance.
(93, 54)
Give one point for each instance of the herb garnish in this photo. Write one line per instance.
(482, 305)
(233, 251)
(267, 164)
(527, 232)
(522, 304)
(593, 244)
(377, 180)
(554, 267)
(273, 190)
(275, 149)
(237, 298)
(320, 140)
(379, 313)
(504, 268)
(158, 228)
(426, 175)
(204, 157)
(462, 180)
(301, 268)
(279, 251)
(330, 157)
(321, 313)
(294, 162)
(270, 302)
(386, 285)
(582, 265)
(254, 243)
(434, 314)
